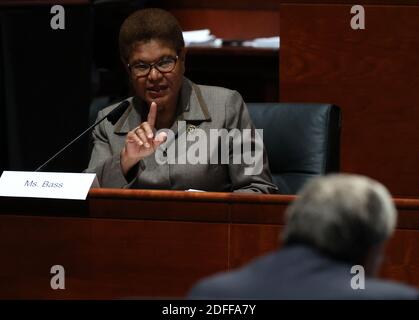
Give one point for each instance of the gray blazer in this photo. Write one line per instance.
(203, 107)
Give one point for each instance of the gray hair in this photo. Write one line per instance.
(342, 215)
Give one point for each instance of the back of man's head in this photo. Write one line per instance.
(345, 216)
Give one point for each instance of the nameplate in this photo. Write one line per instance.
(53, 185)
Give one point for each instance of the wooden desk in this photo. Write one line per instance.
(144, 243)
(371, 74)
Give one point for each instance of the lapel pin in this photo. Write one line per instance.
(190, 129)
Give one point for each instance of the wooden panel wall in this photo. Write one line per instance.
(232, 19)
(371, 74)
(107, 258)
(252, 72)
(230, 23)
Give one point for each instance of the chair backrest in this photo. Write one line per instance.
(302, 140)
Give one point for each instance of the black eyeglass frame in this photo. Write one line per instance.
(153, 65)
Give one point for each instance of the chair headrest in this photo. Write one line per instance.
(299, 137)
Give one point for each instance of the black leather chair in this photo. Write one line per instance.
(302, 140)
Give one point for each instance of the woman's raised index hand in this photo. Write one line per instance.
(152, 114)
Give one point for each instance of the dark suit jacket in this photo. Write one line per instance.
(296, 272)
(204, 107)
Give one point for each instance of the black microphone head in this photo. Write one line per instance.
(116, 113)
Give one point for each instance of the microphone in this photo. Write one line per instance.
(112, 116)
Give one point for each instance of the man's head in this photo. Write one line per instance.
(348, 217)
(151, 45)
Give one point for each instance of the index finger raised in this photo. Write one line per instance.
(151, 118)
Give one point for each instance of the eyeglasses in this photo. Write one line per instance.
(164, 65)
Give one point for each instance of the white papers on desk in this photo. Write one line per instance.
(271, 42)
(201, 37)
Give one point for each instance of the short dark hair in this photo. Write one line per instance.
(149, 24)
